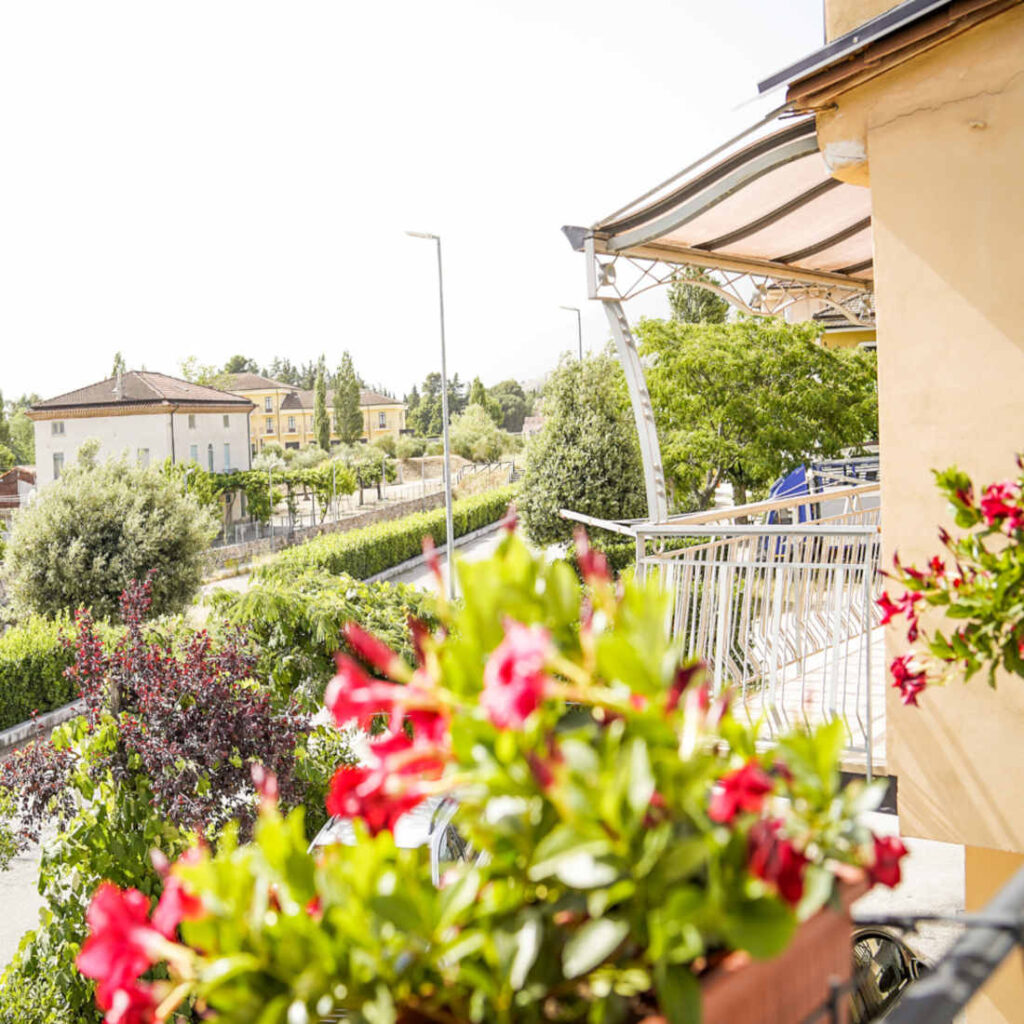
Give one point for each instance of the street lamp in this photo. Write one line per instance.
(449, 526)
(579, 326)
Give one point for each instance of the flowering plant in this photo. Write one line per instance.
(625, 830)
(977, 583)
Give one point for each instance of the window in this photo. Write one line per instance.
(382, 419)
(191, 421)
(142, 456)
(209, 457)
(227, 421)
(58, 464)
(227, 457)
(268, 404)
(193, 453)
(291, 424)
(270, 426)
(57, 427)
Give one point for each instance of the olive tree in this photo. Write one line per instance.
(586, 456)
(99, 526)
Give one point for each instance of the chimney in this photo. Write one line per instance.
(119, 387)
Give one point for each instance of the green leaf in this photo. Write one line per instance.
(581, 870)
(763, 926)
(678, 994)
(592, 944)
(641, 778)
(528, 942)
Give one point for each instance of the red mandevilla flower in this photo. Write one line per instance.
(133, 1004)
(593, 564)
(889, 851)
(514, 679)
(176, 903)
(352, 695)
(909, 683)
(890, 609)
(776, 860)
(122, 944)
(380, 793)
(374, 652)
(1000, 502)
(684, 675)
(741, 790)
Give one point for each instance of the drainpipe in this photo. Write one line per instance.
(174, 409)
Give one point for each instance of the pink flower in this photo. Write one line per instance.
(593, 564)
(889, 608)
(380, 793)
(122, 944)
(511, 520)
(776, 860)
(1000, 501)
(909, 683)
(352, 695)
(889, 851)
(514, 679)
(375, 653)
(176, 903)
(131, 1004)
(741, 790)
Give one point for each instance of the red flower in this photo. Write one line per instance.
(776, 860)
(176, 904)
(514, 679)
(133, 1004)
(909, 683)
(375, 653)
(685, 675)
(937, 566)
(889, 608)
(741, 790)
(433, 561)
(593, 564)
(889, 851)
(1000, 502)
(353, 695)
(511, 520)
(383, 791)
(419, 631)
(122, 944)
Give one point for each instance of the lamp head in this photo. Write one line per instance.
(422, 234)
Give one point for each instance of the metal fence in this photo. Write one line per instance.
(784, 616)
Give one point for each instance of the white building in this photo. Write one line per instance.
(149, 416)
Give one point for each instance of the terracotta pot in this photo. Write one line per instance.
(790, 987)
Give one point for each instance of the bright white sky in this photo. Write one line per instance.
(204, 178)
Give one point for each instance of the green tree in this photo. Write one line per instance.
(7, 459)
(348, 416)
(587, 456)
(204, 373)
(692, 304)
(283, 370)
(88, 534)
(22, 431)
(241, 364)
(5, 426)
(511, 398)
(119, 365)
(427, 419)
(321, 424)
(748, 401)
(475, 436)
(479, 395)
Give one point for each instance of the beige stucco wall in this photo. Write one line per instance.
(945, 141)
(842, 16)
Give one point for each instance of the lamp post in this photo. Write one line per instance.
(449, 527)
(579, 326)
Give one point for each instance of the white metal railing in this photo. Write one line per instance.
(783, 615)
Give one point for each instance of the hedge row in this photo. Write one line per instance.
(32, 663)
(365, 552)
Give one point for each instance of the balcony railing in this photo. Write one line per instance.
(784, 616)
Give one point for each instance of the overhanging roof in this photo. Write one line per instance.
(764, 205)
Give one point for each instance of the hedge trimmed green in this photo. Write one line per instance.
(32, 663)
(365, 552)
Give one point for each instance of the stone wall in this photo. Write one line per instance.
(236, 556)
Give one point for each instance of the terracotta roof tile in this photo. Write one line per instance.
(141, 387)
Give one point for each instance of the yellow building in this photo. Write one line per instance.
(283, 413)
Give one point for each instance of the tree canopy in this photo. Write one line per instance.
(748, 401)
(511, 398)
(692, 304)
(321, 421)
(426, 418)
(587, 456)
(348, 417)
(96, 528)
(241, 364)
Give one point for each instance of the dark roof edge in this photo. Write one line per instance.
(125, 403)
(878, 27)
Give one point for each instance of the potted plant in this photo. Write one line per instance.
(633, 852)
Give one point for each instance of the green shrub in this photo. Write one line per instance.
(32, 663)
(88, 534)
(372, 549)
(296, 621)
